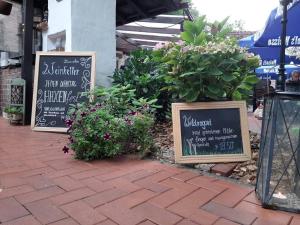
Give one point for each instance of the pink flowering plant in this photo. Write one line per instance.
(114, 123)
(207, 65)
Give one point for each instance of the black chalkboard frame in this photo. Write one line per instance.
(36, 81)
(214, 158)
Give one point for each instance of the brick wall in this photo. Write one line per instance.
(6, 75)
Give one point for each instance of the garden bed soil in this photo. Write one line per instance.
(245, 172)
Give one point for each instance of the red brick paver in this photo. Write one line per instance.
(40, 185)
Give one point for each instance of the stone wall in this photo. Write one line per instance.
(10, 38)
(6, 75)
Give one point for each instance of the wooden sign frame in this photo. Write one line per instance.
(179, 158)
(36, 80)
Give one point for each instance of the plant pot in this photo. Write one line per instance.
(16, 117)
(5, 115)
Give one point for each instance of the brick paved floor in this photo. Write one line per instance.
(41, 185)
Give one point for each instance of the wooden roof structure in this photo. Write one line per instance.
(149, 32)
(128, 11)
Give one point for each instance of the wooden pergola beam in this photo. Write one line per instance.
(164, 19)
(150, 37)
(149, 43)
(149, 29)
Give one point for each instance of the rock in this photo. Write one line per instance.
(252, 168)
(255, 156)
(204, 167)
(244, 169)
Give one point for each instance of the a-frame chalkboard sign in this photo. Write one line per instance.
(211, 132)
(59, 81)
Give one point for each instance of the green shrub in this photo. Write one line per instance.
(114, 123)
(206, 65)
(216, 71)
(140, 71)
(143, 73)
(14, 110)
(96, 134)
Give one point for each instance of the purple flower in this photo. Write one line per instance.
(107, 136)
(98, 105)
(69, 129)
(83, 114)
(69, 123)
(93, 110)
(132, 113)
(65, 149)
(128, 121)
(71, 139)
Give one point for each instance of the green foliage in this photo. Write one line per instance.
(96, 135)
(200, 32)
(207, 66)
(6, 109)
(17, 110)
(120, 99)
(143, 73)
(114, 123)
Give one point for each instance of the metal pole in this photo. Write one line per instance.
(27, 68)
(281, 70)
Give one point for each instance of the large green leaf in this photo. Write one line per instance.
(187, 36)
(251, 79)
(236, 96)
(188, 74)
(215, 72)
(192, 96)
(183, 92)
(215, 89)
(200, 39)
(189, 27)
(211, 96)
(245, 86)
(228, 77)
(200, 24)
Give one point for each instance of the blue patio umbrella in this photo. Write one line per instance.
(270, 56)
(271, 72)
(270, 37)
(266, 44)
(246, 42)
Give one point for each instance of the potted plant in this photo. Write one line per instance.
(207, 65)
(16, 114)
(210, 77)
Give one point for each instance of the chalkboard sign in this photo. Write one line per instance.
(211, 132)
(60, 80)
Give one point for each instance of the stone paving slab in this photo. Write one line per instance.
(41, 185)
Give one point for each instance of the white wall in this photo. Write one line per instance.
(90, 25)
(59, 20)
(94, 29)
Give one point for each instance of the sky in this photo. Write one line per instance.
(253, 13)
